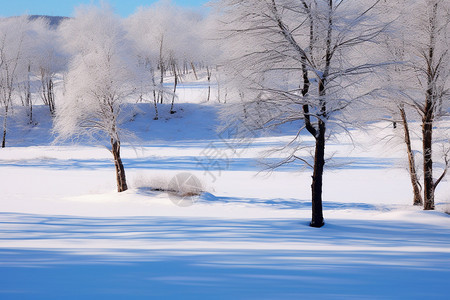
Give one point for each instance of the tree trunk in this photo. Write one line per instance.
(427, 133)
(412, 164)
(193, 69)
(319, 157)
(51, 97)
(155, 100)
(428, 114)
(161, 69)
(317, 180)
(155, 105)
(5, 118)
(120, 170)
(208, 72)
(161, 84)
(174, 88)
(28, 95)
(31, 114)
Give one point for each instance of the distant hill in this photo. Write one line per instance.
(54, 21)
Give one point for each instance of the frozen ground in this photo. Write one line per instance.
(66, 234)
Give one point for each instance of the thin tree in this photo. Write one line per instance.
(26, 95)
(396, 102)
(417, 188)
(173, 63)
(208, 77)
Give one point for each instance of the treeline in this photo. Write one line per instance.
(159, 43)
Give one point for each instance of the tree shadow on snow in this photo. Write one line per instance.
(173, 257)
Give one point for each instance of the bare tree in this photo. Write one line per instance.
(422, 83)
(297, 61)
(24, 89)
(417, 188)
(173, 63)
(12, 34)
(395, 101)
(435, 68)
(208, 77)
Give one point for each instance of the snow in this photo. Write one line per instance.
(66, 233)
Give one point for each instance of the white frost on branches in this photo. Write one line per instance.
(102, 74)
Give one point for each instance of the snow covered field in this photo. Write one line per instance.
(66, 234)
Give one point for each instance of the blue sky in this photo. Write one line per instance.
(65, 7)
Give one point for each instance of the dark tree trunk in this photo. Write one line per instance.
(28, 101)
(412, 164)
(120, 170)
(427, 132)
(48, 94)
(51, 97)
(428, 113)
(31, 114)
(161, 84)
(5, 120)
(208, 72)
(155, 104)
(155, 99)
(319, 157)
(317, 180)
(174, 88)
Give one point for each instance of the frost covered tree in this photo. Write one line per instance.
(48, 60)
(42, 60)
(393, 102)
(419, 81)
(12, 36)
(155, 30)
(433, 69)
(140, 29)
(101, 75)
(167, 37)
(300, 61)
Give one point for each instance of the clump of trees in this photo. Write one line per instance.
(169, 42)
(417, 88)
(29, 50)
(430, 61)
(114, 61)
(12, 40)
